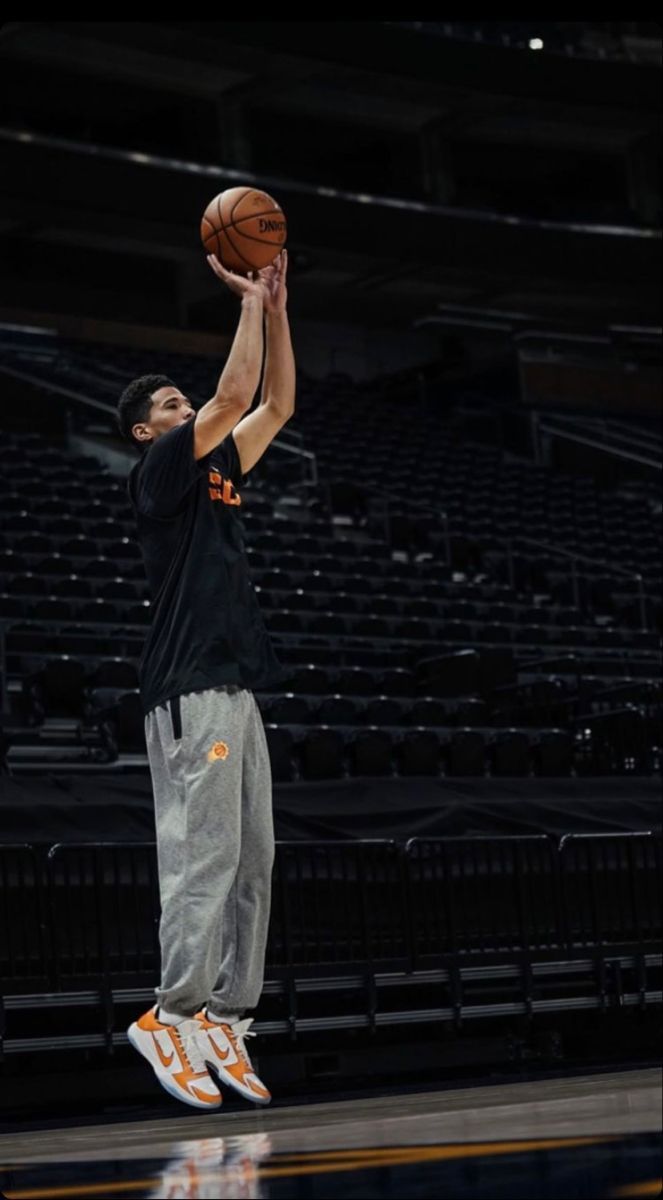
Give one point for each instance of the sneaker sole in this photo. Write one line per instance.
(229, 1080)
(134, 1036)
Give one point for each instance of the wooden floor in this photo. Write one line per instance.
(344, 1148)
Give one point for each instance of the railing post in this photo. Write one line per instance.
(387, 520)
(4, 690)
(535, 434)
(512, 574)
(447, 538)
(574, 578)
(641, 602)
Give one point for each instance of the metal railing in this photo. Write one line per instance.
(575, 558)
(291, 441)
(363, 935)
(85, 912)
(543, 425)
(386, 506)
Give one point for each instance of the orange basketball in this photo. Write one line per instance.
(245, 228)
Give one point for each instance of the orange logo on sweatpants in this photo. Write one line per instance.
(219, 750)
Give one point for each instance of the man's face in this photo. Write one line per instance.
(169, 408)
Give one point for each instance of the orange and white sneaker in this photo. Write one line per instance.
(174, 1054)
(222, 1047)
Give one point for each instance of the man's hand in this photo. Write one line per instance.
(241, 285)
(272, 280)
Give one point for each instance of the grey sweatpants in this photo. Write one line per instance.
(215, 846)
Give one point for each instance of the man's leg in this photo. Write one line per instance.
(196, 763)
(243, 939)
(167, 1036)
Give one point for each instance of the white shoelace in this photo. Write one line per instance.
(189, 1031)
(241, 1030)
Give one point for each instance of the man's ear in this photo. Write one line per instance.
(141, 433)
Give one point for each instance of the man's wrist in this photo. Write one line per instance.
(275, 315)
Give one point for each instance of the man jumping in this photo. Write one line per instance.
(207, 648)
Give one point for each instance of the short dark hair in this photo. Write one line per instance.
(135, 403)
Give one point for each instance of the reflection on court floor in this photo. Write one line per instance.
(598, 1136)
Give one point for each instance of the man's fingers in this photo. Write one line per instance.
(217, 266)
(267, 275)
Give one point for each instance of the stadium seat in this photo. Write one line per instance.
(286, 710)
(114, 673)
(337, 710)
(507, 753)
(370, 753)
(321, 754)
(56, 689)
(464, 753)
(454, 674)
(280, 745)
(385, 710)
(552, 752)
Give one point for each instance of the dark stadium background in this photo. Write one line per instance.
(455, 541)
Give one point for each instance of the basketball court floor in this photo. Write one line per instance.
(596, 1135)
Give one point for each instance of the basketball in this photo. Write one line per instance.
(245, 228)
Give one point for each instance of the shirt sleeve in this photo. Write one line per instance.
(168, 472)
(233, 465)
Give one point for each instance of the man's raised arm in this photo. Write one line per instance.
(240, 377)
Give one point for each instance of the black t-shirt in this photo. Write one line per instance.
(207, 628)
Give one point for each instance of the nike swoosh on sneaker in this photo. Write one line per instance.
(228, 1059)
(225, 1054)
(166, 1060)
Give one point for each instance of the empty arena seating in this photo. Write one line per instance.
(425, 628)
(430, 631)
